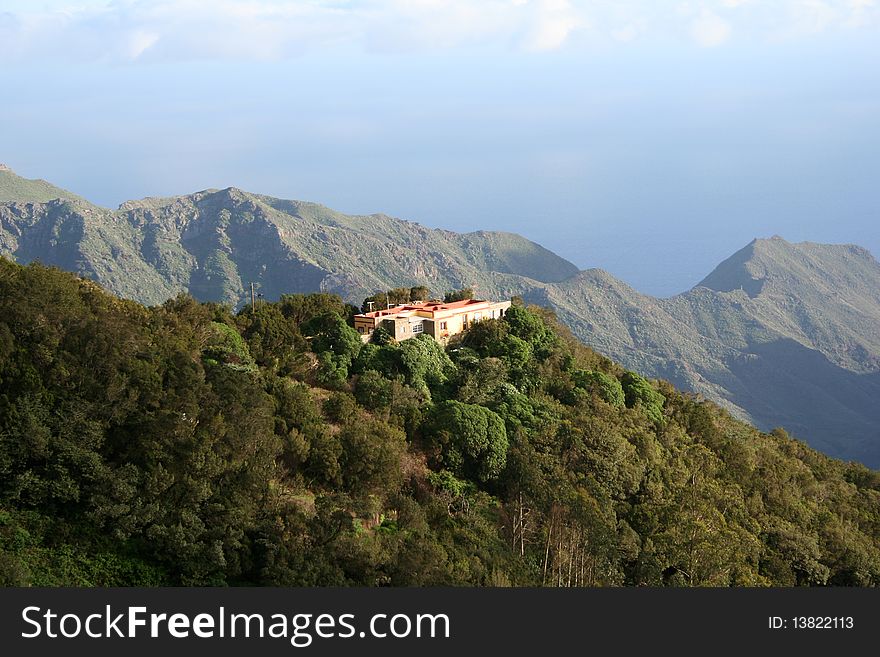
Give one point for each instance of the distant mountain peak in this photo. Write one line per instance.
(789, 265)
(735, 273)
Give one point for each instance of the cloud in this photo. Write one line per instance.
(273, 29)
(140, 41)
(554, 21)
(180, 30)
(709, 29)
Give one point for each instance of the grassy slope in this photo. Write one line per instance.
(14, 188)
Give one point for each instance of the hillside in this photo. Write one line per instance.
(826, 296)
(15, 188)
(214, 244)
(185, 444)
(780, 334)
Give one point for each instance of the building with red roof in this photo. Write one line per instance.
(435, 318)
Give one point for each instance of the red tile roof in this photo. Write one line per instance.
(424, 305)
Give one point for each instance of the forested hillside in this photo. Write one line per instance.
(185, 444)
(779, 334)
(782, 334)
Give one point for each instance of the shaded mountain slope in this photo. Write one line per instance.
(213, 244)
(779, 333)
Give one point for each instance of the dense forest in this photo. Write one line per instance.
(185, 444)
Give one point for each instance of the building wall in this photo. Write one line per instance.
(453, 322)
(442, 326)
(365, 327)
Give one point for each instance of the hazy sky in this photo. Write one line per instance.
(651, 139)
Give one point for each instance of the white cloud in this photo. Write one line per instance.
(149, 30)
(812, 16)
(861, 12)
(709, 29)
(554, 21)
(140, 41)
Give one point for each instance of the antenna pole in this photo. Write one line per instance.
(253, 299)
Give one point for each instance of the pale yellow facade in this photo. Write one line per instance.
(439, 320)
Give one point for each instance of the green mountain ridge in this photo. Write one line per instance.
(799, 348)
(780, 333)
(216, 242)
(187, 445)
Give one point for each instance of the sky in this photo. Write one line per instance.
(649, 138)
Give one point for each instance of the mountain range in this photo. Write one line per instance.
(781, 334)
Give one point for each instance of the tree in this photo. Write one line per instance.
(329, 332)
(530, 327)
(271, 338)
(373, 391)
(459, 295)
(419, 293)
(371, 457)
(380, 300)
(381, 336)
(300, 308)
(639, 392)
(606, 386)
(423, 362)
(472, 438)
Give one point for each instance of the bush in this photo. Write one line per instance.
(606, 386)
(472, 438)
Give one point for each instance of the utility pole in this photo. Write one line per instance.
(253, 298)
(370, 304)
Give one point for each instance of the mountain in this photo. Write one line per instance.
(781, 334)
(15, 188)
(187, 445)
(215, 243)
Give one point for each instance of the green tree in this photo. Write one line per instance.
(373, 391)
(301, 308)
(472, 438)
(371, 457)
(330, 332)
(459, 295)
(606, 386)
(639, 392)
(527, 325)
(419, 293)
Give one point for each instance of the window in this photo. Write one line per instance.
(442, 326)
(361, 330)
(417, 328)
